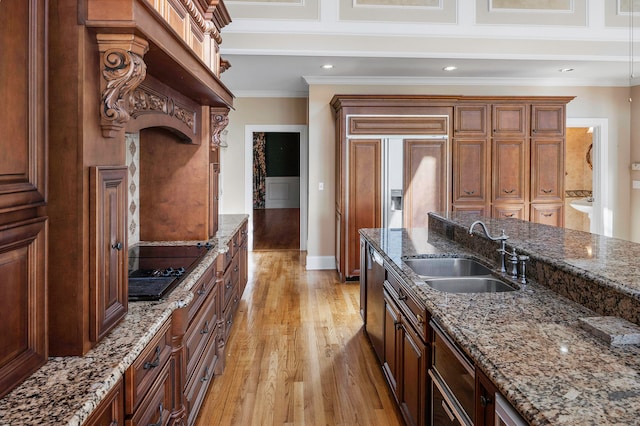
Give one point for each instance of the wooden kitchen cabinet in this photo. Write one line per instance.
(471, 120)
(548, 120)
(547, 170)
(365, 193)
(402, 349)
(471, 165)
(24, 224)
(108, 281)
(548, 214)
(110, 412)
(485, 400)
(510, 120)
(510, 169)
(425, 180)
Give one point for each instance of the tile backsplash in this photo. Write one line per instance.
(132, 141)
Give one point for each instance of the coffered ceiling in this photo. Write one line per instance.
(278, 47)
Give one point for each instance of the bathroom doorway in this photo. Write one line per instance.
(588, 160)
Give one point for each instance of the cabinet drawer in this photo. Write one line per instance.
(109, 412)
(196, 388)
(244, 232)
(232, 307)
(228, 285)
(416, 314)
(200, 331)
(224, 259)
(202, 289)
(454, 372)
(156, 407)
(140, 376)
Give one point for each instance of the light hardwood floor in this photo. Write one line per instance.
(297, 354)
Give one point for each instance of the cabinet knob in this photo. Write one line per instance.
(485, 400)
(117, 246)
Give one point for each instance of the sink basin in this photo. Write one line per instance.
(446, 267)
(469, 285)
(584, 205)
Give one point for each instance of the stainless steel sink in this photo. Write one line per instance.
(446, 267)
(469, 285)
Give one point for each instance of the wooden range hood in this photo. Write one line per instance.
(174, 41)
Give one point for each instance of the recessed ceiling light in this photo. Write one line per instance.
(565, 69)
(327, 66)
(450, 68)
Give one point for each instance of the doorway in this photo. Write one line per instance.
(272, 217)
(600, 155)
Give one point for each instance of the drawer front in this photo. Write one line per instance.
(196, 387)
(228, 285)
(200, 331)
(229, 313)
(235, 270)
(109, 412)
(202, 289)
(140, 376)
(394, 283)
(156, 407)
(457, 373)
(244, 232)
(415, 313)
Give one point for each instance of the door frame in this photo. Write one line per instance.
(603, 162)
(302, 131)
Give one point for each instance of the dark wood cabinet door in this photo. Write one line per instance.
(364, 196)
(547, 120)
(510, 170)
(23, 108)
(425, 180)
(510, 120)
(414, 401)
(110, 412)
(392, 345)
(108, 290)
(547, 214)
(547, 170)
(214, 198)
(471, 121)
(471, 171)
(485, 400)
(22, 300)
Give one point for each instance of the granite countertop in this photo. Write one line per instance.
(530, 342)
(66, 390)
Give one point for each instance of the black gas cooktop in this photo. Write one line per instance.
(156, 270)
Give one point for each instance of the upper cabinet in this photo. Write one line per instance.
(510, 120)
(23, 190)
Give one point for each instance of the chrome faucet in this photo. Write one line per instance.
(502, 238)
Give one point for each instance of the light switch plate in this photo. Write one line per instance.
(635, 184)
(635, 166)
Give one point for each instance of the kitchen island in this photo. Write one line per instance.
(530, 342)
(67, 390)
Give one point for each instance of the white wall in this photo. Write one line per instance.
(635, 158)
(590, 102)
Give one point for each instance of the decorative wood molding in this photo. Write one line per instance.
(145, 100)
(122, 71)
(219, 120)
(224, 65)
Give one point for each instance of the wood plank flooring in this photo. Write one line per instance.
(276, 229)
(297, 354)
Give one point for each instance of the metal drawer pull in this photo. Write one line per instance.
(547, 191)
(205, 329)
(205, 377)
(509, 214)
(202, 290)
(420, 319)
(469, 192)
(448, 411)
(156, 362)
(510, 191)
(160, 420)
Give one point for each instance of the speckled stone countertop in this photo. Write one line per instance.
(530, 342)
(66, 390)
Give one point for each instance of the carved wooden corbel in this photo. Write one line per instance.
(122, 70)
(219, 120)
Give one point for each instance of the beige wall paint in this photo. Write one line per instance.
(250, 112)
(590, 102)
(635, 158)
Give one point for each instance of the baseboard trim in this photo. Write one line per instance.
(321, 262)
